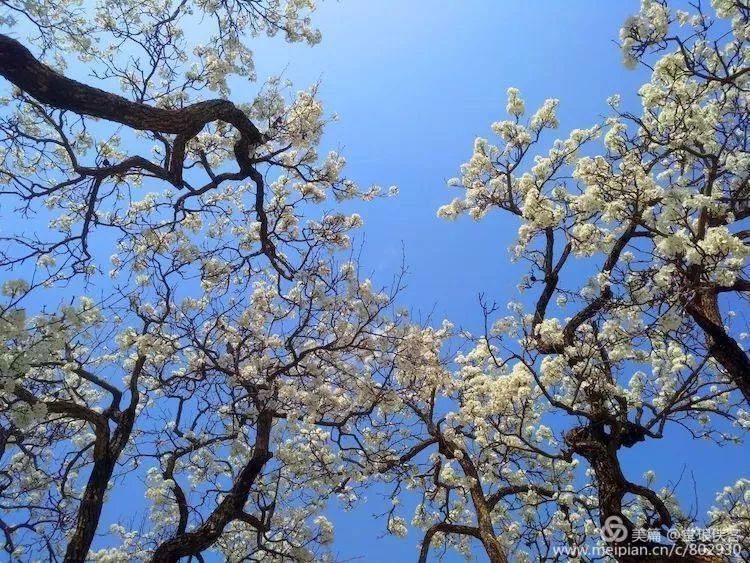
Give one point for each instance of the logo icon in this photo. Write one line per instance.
(614, 530)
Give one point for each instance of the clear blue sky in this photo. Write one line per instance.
(414, 82)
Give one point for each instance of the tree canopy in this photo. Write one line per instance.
(218, 352)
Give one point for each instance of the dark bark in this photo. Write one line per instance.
(593, 443)
(230, 508)
(106, 454)
(445, 528)
(20, 67)
(704, 309)
(484, 530)
(39, 81)
(90, 510)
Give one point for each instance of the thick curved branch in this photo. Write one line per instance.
(106, 456)
(19, 66)
(704, 309)
(445, 528)
(47, 86)
(229, 509)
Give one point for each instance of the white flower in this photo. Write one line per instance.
(515, 103)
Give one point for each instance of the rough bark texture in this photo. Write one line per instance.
(704, 308)
(600, 449)
(90, 510)
(229, 509)
(20, 67)
(487, 536)
(484, 530)
(107, 452)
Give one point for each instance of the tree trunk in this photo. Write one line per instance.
(704, 309)
(90, 510)
(598, 448)
(229, 509)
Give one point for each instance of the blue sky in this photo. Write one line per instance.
(415, 82)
